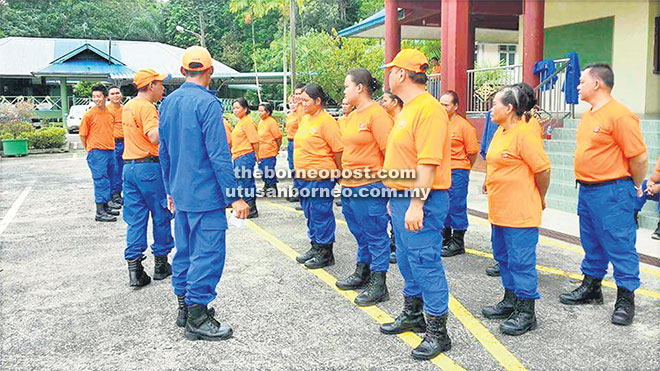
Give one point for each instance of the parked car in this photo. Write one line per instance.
(75, 116)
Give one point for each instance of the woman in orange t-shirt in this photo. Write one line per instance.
(532, 121)
(391, 103)
(317, 154)
(244, 149)
(364, 136)
(517, 179)
(346, 108)
(228, 130)
(270, 140)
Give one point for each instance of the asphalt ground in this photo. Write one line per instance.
(65, 301)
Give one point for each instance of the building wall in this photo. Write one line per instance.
(488, 54)
(652, 80)
(632, 45)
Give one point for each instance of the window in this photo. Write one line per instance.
(507, 55)
(656, 47)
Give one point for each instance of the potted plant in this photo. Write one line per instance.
(13, 127)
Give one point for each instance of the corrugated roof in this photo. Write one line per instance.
(20, 56)
(87, 68)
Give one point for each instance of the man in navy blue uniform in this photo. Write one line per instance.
(199, 176)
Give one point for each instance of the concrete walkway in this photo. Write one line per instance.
(65, 303)
(557, 220)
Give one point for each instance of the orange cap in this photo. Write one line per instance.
(145, 77)
(197, 54)
(410, 59)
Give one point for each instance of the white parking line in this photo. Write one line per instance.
(14, 209)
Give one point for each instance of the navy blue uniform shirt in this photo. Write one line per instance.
(193, 150)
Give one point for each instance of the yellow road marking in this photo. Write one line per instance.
(547, 241)
(471, 323)
(555, 271)
(411, 339)
(484, 336)
(559, 272)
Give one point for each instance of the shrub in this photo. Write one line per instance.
(46, 138)
(15, 129)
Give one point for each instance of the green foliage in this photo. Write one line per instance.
(15, 130)
(324, 59)
(430, 48)
(46, 138)
(493, 76)
(119, 19)
(83, 89)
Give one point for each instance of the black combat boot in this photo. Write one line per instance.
(322, 258)
(270, 190)
(109, 210)
(503, 309)
(624, 309)
(113, 205)
(436, 339)
(102, 216)
(254, 213)
(456, 246)
(375, 291)
(446, 236)
(392, 248)
(136, 275)
(162, 268)
(410, 319)
(522, 319)
(355, 280)
(588, 292)
(302, 258)
(493, 270)
(116, 198)
(182, 315)
(201, 325)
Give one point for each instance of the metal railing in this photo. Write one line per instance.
(551, 95)
(40, 103)
(483, 82)
(434, 85)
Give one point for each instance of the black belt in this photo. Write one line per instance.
(119, 139)
(598, 184)
(146, 159)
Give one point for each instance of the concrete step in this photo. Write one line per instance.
(561, 159)
(566, 204)
(648, 126)
(563, 188)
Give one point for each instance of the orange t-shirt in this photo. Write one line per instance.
(657, 165)
(293, 121)
(364, 135)
(269, 133)
(342, 121)
(513, 157)
(464, 142)
(437, 69)
(536, 125)
(117, 131)
(97, 126)
(244, 137)
(140, 117)
(606, 140)
(420, 136)
(227, 130)
(316, 142)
